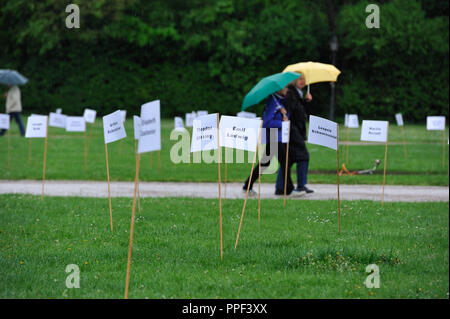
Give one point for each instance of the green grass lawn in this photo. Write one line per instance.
(293, 252)
(65, 159)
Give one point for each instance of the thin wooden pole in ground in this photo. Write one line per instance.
(248, 187)
(9, 145)
(29, 151)
(338, 195)
(219, 151)
(259, 182)
(130, 248)
(45, 161)
(347, 144)
(404, 144)
(109, 189)
(138, 192)
(385, 158)
(226, 172)
(159, 162)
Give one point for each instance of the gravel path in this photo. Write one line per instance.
(232, 190)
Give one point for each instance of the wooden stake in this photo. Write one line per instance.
(159, 162)
(9, 145)
(385, 158)
(109, 189)
(338, 196)
(347, 145)
(219, 151)
(138, 192)
(45, 161)
(29, 151)
(226, 171)
(259, 183)
(248, 187)
(130, 248)
(404, 144)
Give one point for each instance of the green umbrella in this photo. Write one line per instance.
(268, 85)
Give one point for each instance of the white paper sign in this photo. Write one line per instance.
(57, 120)
(285, 125)
(36, 126)
(113, 128)
(4, 121)
(399, 119)
(353, 121)
(204, 133)
(75, 124)
(374, 131)
(150, 138)
(189, 119)
(240, 133)
(322, 132)
(124, 115)
(89, 115)
(436, 123)
(137, 126)
(202, 113)
(346, 120)
(178, 122)
(59, 111)
(247, 115)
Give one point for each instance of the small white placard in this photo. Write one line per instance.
(75, 124)
(374, 131)
(36, 126)
(322, 132)
(113, 128)
(285, 125)
(178, 122)
(204, 133)
(353, 121)
(137, 126)
(436, 123)
(247, 115)
(189, 119)
(58, 111)
(399, 119)
(124, 115)
(202, 113)
(150, 137)
(4, 121)
(346, 120)
(239, 133)
(89, 115)
(57, 120)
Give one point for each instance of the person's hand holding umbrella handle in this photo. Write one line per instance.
(308, 97)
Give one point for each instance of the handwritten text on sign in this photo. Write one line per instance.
(436, 123)
(4, 121)
(239, 133)
(150, 137)
(113, 128)
(204, 133)
(75, 124)
(57, 120)
(36, 126)
(322, 132)
(374, 131)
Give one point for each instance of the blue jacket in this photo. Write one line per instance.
(272, 116)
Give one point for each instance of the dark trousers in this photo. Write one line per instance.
(279, 186)
(16, 116)
(302, 173)
(265, 162)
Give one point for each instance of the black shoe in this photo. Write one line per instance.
(279, 192)
(306, 189)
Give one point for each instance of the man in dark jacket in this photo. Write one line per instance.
(296, 105)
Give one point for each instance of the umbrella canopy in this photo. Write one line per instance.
(266, 86)
(314, 71)
(11, 77)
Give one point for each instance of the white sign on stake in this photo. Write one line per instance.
(178, 121)
(239, 133)
(57, 120)
(353, 121)
(89, 115)
(36, 126)
(436, 123)
(285, 125)
(113, 128)
(4, 121)
(346, 120)
(75, 124)
(189, 119)
(150, 138)
(399, 119)
(59, 111)
(374, 131)
(247, 115)
(322, 132)
(137, 126)
(124, 115)
(202, 113)
(204, 133)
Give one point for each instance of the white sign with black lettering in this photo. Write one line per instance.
(89, 115)
(150, 138)
(322, 132)
(57, 120)
(36, 126)
(137, 126)
(178, 122)
(204, 133)
(399, 119)
(75, 124)
(374, 131)
(240, 133)
(285, 126)
(247, 115)
(113, 128)
(353, 121)
(436, 123)
(4, 121)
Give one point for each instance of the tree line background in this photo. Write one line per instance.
(200, 54)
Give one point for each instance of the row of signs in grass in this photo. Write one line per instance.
(433, 122)
(190, 117)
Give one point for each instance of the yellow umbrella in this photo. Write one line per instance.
(315, 72)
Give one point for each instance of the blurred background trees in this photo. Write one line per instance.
(201, 54)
